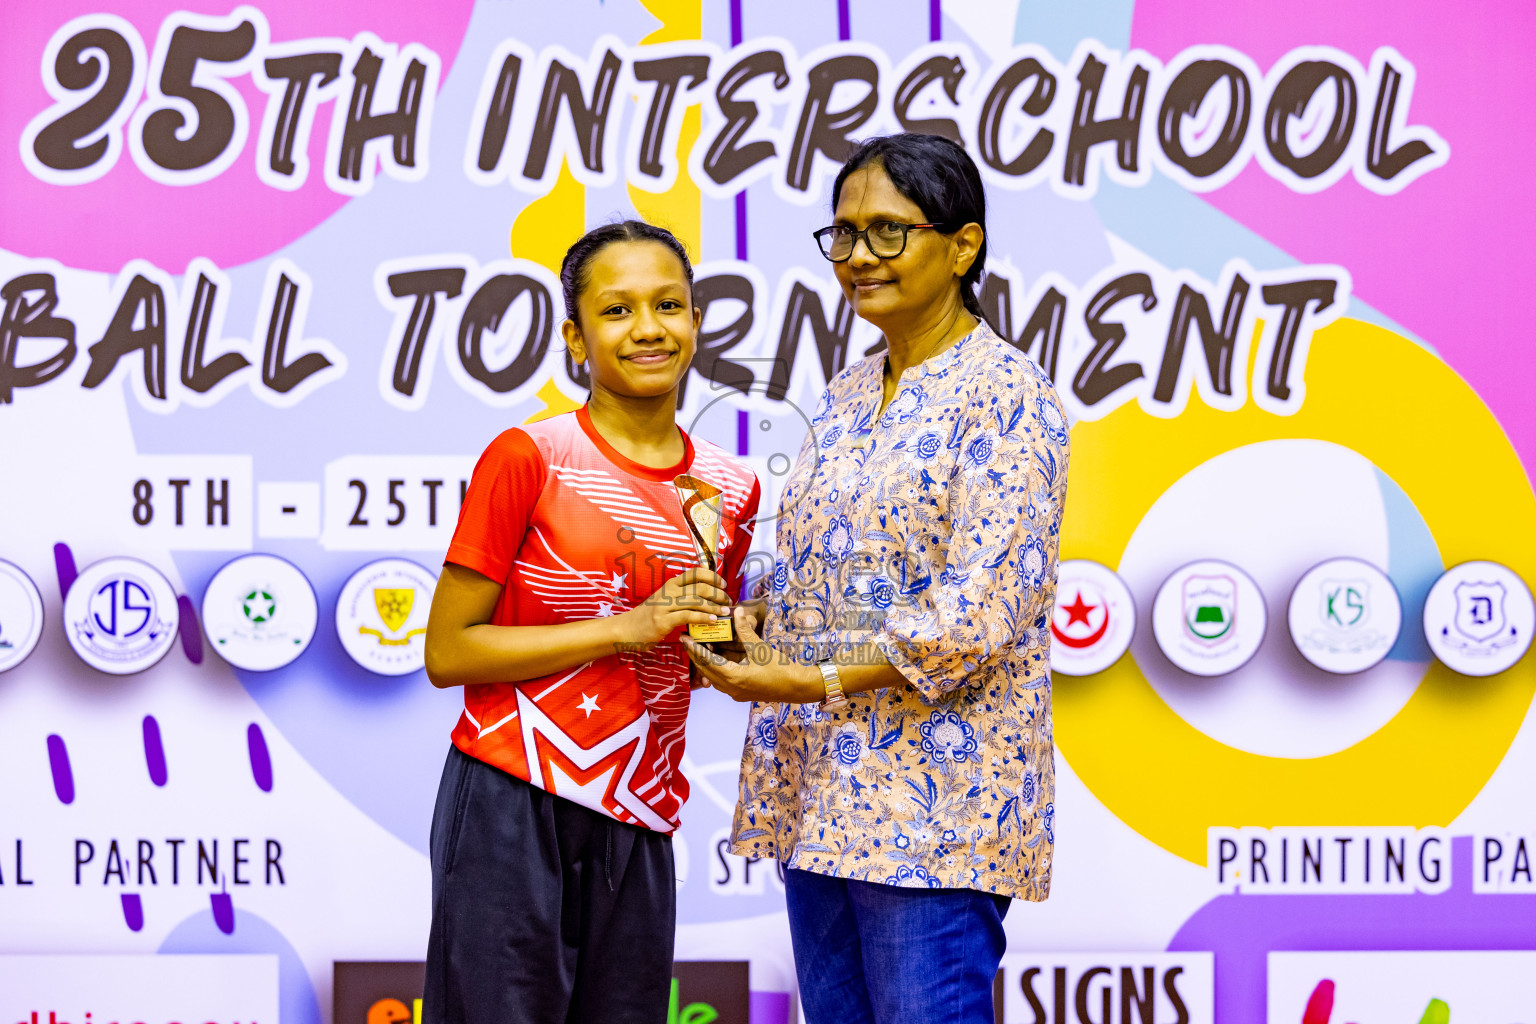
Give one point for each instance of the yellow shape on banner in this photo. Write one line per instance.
(547, 226)
(555, 402)
(680, 20)
(1401, 407)
(680, 208)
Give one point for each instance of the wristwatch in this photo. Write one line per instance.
(834, 686)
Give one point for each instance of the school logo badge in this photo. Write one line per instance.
(260, 612)
(1344, 602)
(120, 616)
(1209, 618)
(1344, 615)
(21, 615)
(394, 607)
(1210, 604)
(381, 616)
(1094, 618)
(1480, 612)
(1478, 618)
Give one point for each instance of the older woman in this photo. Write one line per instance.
(899, 759)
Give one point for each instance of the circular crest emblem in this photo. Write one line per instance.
(1344, 615)
(1478, 618)
(21, 615)
(120, 616)
(1094, 618)
(259, 612)
(381, 616)
(1209, 618)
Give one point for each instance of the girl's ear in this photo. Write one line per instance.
(698, 319)
(576, 345)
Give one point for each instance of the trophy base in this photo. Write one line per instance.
(711, 632)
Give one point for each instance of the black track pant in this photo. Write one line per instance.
(543, 912)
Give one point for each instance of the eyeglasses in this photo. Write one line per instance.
(885, 239)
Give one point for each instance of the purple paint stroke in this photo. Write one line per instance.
(743, 428)
(768, 1007)
(935, 20)
(64, 565)
(154, 751)
(261, 759)
(191, 632)
(741, 197)
(63, 778)
(741, 225)
(223, 911)
(843, 32)
(133, 911)
(1243, 930)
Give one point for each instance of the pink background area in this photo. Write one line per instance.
(232, 219)
(1450, 256)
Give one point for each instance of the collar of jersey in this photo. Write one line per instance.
(630, 466)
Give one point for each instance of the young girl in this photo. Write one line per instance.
(569, 577)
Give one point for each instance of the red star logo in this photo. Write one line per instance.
(1078, 610)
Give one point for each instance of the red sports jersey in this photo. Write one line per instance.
(578, 531)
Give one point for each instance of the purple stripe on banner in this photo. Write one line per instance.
(768, 1007)
(843, 31)
(154, 751)
(742, 428)
(133, 911)
(191, 633)
(261, 759)
(735, 22)
(741, 225)
(64, 565)
(63, 778)
(935, 20)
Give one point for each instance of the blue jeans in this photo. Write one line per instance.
(868, 953)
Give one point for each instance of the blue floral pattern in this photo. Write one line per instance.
(837, 541)
(946, 737)
(914, 875)
(907, 403)
(979, 452)
(940, 550)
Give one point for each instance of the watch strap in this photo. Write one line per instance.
(834, 685)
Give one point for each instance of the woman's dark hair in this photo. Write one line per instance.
(573, 269)
(941, 178)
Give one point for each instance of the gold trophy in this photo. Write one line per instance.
(702, 509)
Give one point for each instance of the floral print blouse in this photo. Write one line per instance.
(931, 532)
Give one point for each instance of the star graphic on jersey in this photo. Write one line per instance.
(1078, 610)
(588, 704)
(604, 609)
(619, 580)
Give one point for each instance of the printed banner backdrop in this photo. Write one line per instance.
(272, 275)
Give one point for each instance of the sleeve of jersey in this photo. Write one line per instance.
(737, 556)
(501, 496)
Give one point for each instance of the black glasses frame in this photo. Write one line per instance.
(824, 235)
